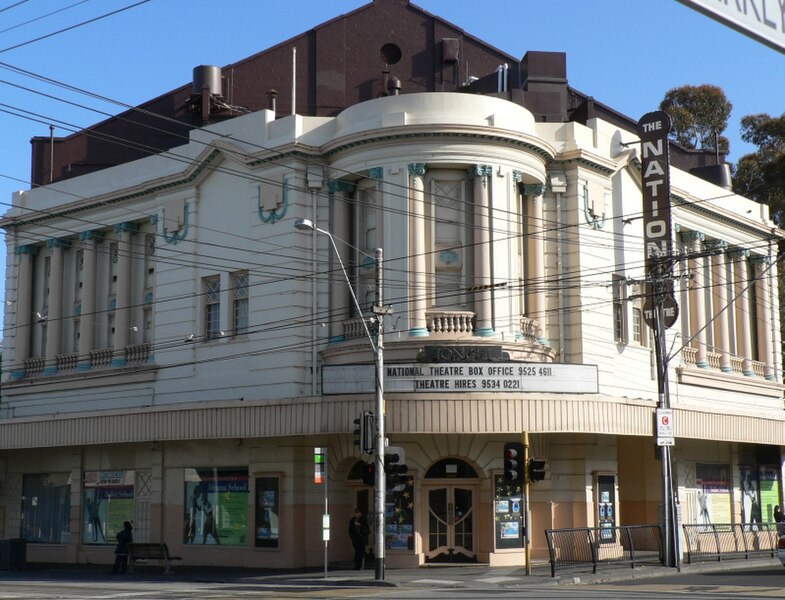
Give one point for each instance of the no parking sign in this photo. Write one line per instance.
(665, 427)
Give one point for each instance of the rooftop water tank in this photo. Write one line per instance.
(207, 75)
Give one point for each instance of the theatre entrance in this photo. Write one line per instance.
(450, 491)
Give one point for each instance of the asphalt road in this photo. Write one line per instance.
(725, 581)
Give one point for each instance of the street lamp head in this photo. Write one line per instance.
(304, 224)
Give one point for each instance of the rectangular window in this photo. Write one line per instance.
(637, 326)
(110, 330)
(46, 508)
(212, 308)
(448, 237)
(240, 312)
(619, 320)
(216, 506)
(108, 502)
(267, 512)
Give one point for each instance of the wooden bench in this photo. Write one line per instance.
(153, 551)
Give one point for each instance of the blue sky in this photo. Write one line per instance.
(625, 53)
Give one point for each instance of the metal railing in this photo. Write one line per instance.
(729, 541)
(584, 546)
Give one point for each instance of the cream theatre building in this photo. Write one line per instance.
(175, 348)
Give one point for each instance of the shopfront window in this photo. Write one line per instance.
(267, 512)
(108, 501)
(46, 505)
(216, 506)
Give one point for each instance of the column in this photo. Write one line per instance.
(697, 316)
(340, 228)
(89, 240)
(418, 273)
(483, 273)
(24, 308)
(741, 304)
(54, 318)
(720, 308)
(122, 314)
(763, 313)
(535, 260)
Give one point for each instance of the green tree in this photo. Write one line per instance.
(760, 175)
(699, 115)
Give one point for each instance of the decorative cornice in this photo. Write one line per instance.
(109, 200)
(416, 169)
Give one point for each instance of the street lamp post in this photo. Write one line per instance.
(378, 351)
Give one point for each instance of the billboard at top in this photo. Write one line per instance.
(763, 20)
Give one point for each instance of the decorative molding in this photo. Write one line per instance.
(275, 214)
(760, 260)
(31, 249)
(126, 226)
(691, 236)
(57, 243)
(517, 176)
(339, 185)
(481, 170)
(715, 246)
(92, 235)
(533, 189)
(593, 221)
(737, 254)
(416, 169)
(376, 173)
(179, 235)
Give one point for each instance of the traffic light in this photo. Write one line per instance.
(369, 474)
(536, 469)
(394, 467)
(363, 432)
(513, 462)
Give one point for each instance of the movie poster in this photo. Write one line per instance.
(108, 501)
(216, 507)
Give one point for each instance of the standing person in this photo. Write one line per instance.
(779, 519)
(124, 538)
(358, 532)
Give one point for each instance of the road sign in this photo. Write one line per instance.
(665, 430)
(670, 312)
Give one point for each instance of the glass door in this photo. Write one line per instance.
(451, 521)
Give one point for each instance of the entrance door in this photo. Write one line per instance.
(451, 518)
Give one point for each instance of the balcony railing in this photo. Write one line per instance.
(450, 322)
(529, 329)
(67, 362)
(689, 355)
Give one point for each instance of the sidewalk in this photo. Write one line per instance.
(464, 576)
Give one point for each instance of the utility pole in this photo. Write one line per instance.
(380, 490)
(660, 310)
